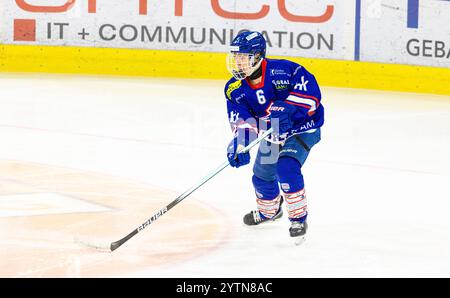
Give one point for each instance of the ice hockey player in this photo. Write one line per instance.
(281, 94)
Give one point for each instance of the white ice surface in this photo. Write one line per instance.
(378, 183)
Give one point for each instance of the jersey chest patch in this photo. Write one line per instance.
(281, 84)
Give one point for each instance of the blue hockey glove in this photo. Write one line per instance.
(242, 138)
(238, 160)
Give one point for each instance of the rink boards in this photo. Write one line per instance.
(205, 65)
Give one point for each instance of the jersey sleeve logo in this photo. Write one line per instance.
(234, 116)
(232, 87)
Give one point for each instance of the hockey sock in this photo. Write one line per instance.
(268, 196)
(292, 184)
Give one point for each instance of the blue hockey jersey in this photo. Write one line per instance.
(248, 105)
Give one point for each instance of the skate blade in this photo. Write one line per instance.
(299, 240)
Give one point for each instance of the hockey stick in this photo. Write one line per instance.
(115, 245)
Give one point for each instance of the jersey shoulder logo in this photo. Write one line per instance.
(303, 85)
(232, 87)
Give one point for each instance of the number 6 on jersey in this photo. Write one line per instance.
(260, 96)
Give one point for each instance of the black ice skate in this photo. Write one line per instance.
(254, 217)
(298, 229)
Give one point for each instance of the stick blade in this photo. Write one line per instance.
(103, 247)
